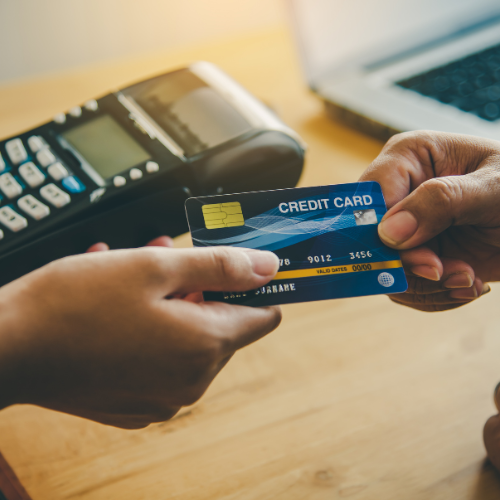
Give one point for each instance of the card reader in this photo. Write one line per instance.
(119, 168)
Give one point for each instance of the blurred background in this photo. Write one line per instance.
(40, 37)
(381, 67)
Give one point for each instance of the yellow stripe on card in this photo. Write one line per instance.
(328, 271)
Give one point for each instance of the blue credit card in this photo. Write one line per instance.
(325, 237)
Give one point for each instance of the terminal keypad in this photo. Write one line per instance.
(30, 205)
(31, 174)
(9, 186)
(12, 220)
(55, 195)
(16, 151)
(34, 183)
(45, 157)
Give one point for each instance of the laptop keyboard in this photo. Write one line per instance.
(471, 84)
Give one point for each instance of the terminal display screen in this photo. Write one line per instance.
(106, 146)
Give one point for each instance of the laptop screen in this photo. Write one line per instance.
(337, 34)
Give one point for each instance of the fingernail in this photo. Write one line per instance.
(398, 228)
(98, 247)
(263, 263)
(427, 272)
(496, 397)
(459, 280)
(464, 293)
(486, 289)
(161, 241)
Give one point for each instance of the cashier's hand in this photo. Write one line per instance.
(123, 337)
(443, 191)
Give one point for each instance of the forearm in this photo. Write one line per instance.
(14, 322)
(7, 368)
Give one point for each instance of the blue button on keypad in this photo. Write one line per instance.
(73, 184)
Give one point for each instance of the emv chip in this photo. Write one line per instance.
(223, 215)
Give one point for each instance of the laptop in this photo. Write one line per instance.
(389, 66)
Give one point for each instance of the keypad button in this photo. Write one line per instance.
(45, 157)
(135, 174)
(33, 207)
(31, 174)
(96, 195)
(2, 163)
(16, 151)
(119, 181)
(76, 112)
(55, 195)
(9, 186)
(91, 105)
(60, 118)
(1, 234)
(57, 171)
(12, 220)
(35, 142)
(73, 184)
(152, 166)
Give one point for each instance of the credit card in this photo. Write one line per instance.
(325, 238)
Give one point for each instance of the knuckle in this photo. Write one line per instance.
(277, 316)
(224, 263)
(437, 308)
(213, 348)
(165, 413)
(445, 192)
(273, 319)
(203, 358)
(192, 394)
(151, 262)
(419, 306)
(419, 300)
(430, 300)
(422, 286)
(415, 285)
(399, 139)
(405, 139)
(398, 300)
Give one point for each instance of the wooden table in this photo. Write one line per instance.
(356, 398)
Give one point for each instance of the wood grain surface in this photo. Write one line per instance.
(356, 398)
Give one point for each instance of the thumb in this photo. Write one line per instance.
(438, 204)
(218, 269)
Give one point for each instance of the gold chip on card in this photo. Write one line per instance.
(221, 215)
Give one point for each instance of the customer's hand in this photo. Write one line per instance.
(123, 337)
(443, 194)
(491, 433)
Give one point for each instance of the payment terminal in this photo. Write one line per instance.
(119, 168)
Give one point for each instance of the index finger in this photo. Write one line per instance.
(240, 326)
(403, 164)
(232, 326)
(409, 159)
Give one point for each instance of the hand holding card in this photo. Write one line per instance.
(325, 237)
